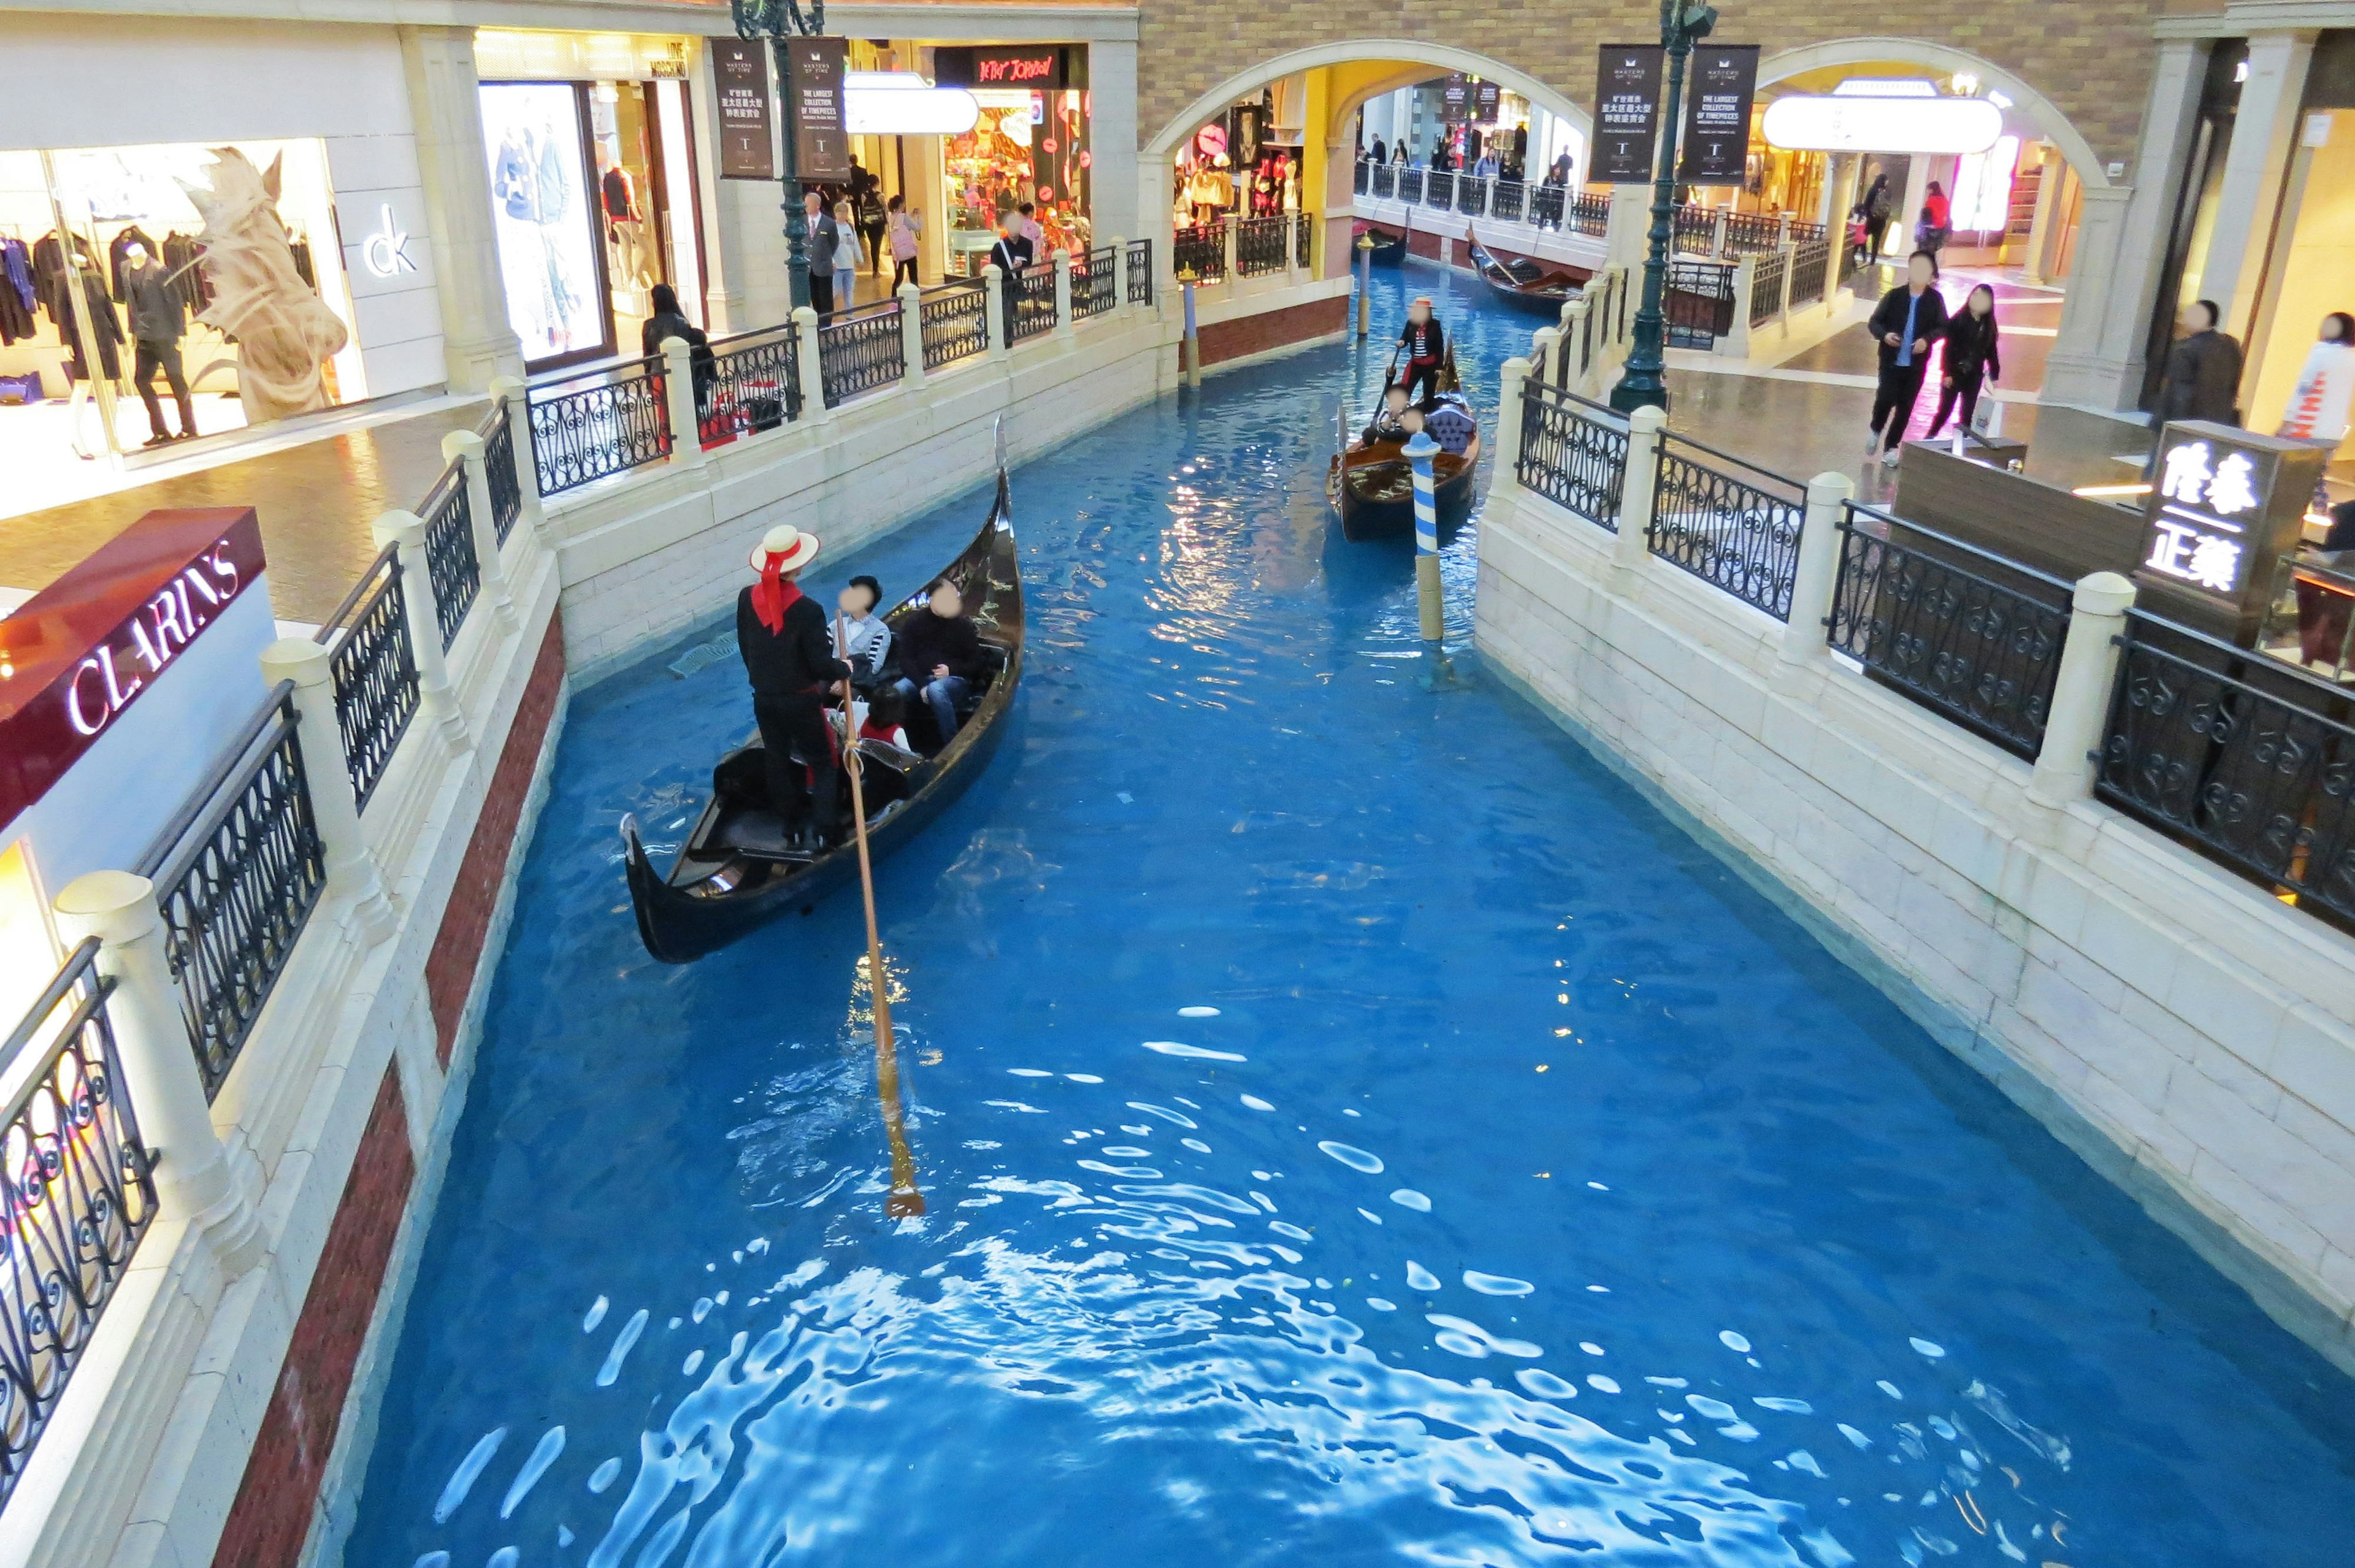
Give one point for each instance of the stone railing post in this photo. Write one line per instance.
(1716, 239)
(1632, 543)
(194, 1180)
(813, 366)
(679, 394)
(439, 703)
(1816, 575)
(1120, 304)
(1506, 473)
(1736, 341)
(1063, 323)
(2081, 690)
(1231, 227)
(1782, 229)
(911, 335)
(515, 400)
(1545, 349)
(465, 448)
(993, 302)
(1790, 268)
(351, 870)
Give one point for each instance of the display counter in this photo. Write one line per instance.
(1981, 500)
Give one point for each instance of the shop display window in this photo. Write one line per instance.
(1026, 146)
(546, 206)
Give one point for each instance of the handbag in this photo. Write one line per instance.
(1986, 417)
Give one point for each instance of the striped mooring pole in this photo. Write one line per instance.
(1430, 610)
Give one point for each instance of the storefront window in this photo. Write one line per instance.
(545, 206)
(1026, 146)
(1982, 199)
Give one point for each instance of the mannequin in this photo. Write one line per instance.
(158, 319)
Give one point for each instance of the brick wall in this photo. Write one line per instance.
(2092, 59)
(1250, 335)
(466, 920)
(271, 1516)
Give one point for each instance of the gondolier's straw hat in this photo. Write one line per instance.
(796, 549)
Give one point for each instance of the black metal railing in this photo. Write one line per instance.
(1770, 275)
(954, 320)
(1385, 181)
(1752, 233)
(1364, 177)
(1095, 283)
(1410, 185)
(450, 559)
(1804, 233)
(1547, 204)
(1964, 633)
(1140, 272)
(1471, 194)
(584, 430)
(77, 1193)
(236, 875)
(1700, 304)
(1694, 227)
(1727, 522)
(860, 351)
(375, 671)
(1591, 214)
(1439, 188)
(2245, 758)
(1304, 238)
(1030, 303)
(1261, 245)
(499, 469)
(1200, 249)
(1573, 453)
(753, 383)
(1810, 270)
(1508, 200)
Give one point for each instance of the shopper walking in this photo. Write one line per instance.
(1909, 319)
(1936, 221)
(823, 240)
(866, 197)
(2203, 380)
(2319, 404)
(847, 254)
(1872, 212)
(1972, 358)
(904, 226)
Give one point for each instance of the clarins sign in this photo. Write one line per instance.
(78, 654)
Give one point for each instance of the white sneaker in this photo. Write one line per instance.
(1889, 459)
(1871, 441)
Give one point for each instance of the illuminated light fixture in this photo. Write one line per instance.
(1965, 85)
(1860, 124)
(2111, 490)
(1885, 87)
(901, 103)
(1997, 98)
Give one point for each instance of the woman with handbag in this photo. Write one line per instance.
(1972, 359)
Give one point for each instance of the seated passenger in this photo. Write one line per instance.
(940, 654)
(861, 639)
(880, 719)
(1385, 425)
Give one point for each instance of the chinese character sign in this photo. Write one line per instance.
(1627, 113)
(2224, 505)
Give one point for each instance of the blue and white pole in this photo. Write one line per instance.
(1430, 609)
(1189, 347)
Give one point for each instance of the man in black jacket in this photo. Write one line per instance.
(1908, 319)
(824, 236)
(789, 658)
(940, 654)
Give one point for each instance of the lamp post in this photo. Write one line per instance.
(1644, 383)
(777, 20)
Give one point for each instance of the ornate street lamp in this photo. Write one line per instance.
(777, 20)
(1644, 384)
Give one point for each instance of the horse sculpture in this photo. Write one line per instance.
(283, 330)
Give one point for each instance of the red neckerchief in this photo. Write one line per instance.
(774, 594)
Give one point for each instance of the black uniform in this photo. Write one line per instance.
(1892, 405)
(1973, 354)
(790, 670)
(1424, 350)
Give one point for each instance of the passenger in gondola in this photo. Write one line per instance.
(782, 634)
(862, 640)
(884, 719)
(1424, 345)
(1386, 423)
(940, 656)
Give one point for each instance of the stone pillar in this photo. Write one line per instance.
(1790, 264)
(1632, 545)
(515, 400)
(351, 870)
(1062, 260)
(2081, 690)
(992, 301)
(1625, 231)
(445, 104)
(679, 400)
(1506, 476)
(1545, 348)
(911, 335)
(1121, 188)
(2264, 137)
(1735, 344)
(436, 702)
(2053, 175)
(1120, 306)
(1154, 175)
(1231, 226)
(1717, 235)
(194, 1180)
(813, 371)
(1816, 574)
(465, 448)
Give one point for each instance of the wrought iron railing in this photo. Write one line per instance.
(1095, 283)
(1573, 453)
(584, 430)
(1547, 204)
(450, 559)
(751, 383)
(1471, 194)
(1752, 233)
(1591, 214)
(1507, 199)
(1694, 228)
(1200, 249)
(1304, 234)
(1364, 177)
(1804, 233)
(859, 351)
(1261, 244)
(499, 469)
(1385, 181)
(1727, 522)
(1439, 188)
(1030, 303)
(1770, 275)
(1410, 185)
(955, 319)
(77, 1193)
(235, 874)
(1810, 270)
(2243, 757)
(1700, 304)
(1964, 633)
(1140, 272)
(374, 669)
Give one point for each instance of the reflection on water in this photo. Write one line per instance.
(1355, 1129)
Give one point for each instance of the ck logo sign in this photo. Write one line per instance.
(387, 250)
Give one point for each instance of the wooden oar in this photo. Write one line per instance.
(904, 1199)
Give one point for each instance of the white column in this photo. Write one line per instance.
(1816, 574)
(1625, 235)
(1154, 175)
(1505, 475)
(2264, 133)
(446, 105)
(514, 400)
(911, 335)
(2081, 690)
(678, 399)
(1717, 236)
(1232, 224)
(1545, 348)
(1629, 548)
(1061, 258)
(1735, 344)
(194, 1180)
(1120, 306)
(1121, 187)
(465, 448)
(2050, 177)
(435, 700)
(351, 870)
(813, 372)
(1790, 262)
(993, 302)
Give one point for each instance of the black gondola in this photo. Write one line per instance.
(1372, 484)
(737, 870)
(1389, 251)
(1524, 284)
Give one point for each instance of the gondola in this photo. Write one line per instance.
(1524, 284)
(1390, 250)
(1372, 485)
(737, 871)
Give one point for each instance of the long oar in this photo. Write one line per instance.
(904, 1199)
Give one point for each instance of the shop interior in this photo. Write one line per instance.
(1247, 163)
(1472, 118)
(125, 216)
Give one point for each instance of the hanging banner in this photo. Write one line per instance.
(1717, 114)
(739, 69)
(1456, 100)
(813, 69)
(1626, 113)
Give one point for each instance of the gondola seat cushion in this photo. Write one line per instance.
(1451, 428)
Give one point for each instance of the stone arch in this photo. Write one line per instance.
(1945, 61)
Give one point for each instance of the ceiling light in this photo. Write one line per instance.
(1885, 87)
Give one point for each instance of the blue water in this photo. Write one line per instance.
(1356, 1129)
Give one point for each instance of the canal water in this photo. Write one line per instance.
(1355, 1128)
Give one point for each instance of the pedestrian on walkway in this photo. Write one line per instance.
(2320, 402)
(1909, 319)
(847, 254)
(2203, 370)
(905, 227)
(1972, 358)
(1872, 212)
(824, 237)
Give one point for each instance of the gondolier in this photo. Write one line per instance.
(790, 660)
(1423, 345)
